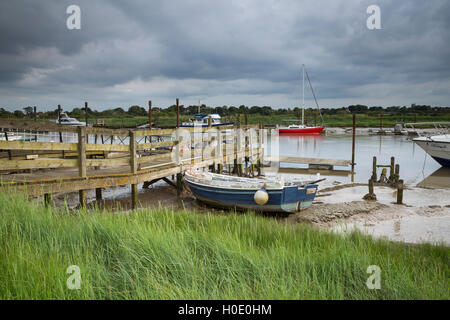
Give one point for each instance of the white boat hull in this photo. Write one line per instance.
(438, 147)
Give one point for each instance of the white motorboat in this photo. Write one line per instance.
(438, 147)
(64, 119)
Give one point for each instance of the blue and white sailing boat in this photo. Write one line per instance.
(268, 195)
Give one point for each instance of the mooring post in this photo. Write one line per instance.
(374, 169)
(133, 166)
(397, 173)
(35, 120)
(371, 195)
(219, 152)
(391, 170)
(150, 119)
(400, 191)
(150, 114)
(86, 118)
(353, 144)
(82, 163)
(178, 113)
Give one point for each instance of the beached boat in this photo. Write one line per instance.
(268, 195)
(301, 127)
(438, 147)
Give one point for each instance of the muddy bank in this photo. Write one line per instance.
(425, 216)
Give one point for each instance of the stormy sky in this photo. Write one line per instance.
(223, 53)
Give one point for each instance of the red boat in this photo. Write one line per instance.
(300, 129)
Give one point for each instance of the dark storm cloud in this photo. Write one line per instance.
(235, 50)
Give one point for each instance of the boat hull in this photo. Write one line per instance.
(288, 199)
(438, 150)
(301, 130)
(194, 125)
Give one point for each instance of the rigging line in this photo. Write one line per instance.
(314, 95)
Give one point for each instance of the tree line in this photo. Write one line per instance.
(133, 111)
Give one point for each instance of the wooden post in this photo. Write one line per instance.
(133, 166)
(59, 122)
(219, 152)
(178, 113)
(86, 117)
(98, 194)
(35, 120)
(82, 163)
(353, 143)
(371, 186)
(397, 173)
(246, 119)
(133, 159)
(391, 171)
(47, 199)
(9, 151)
(150, 115)
(134, 196)
(209, 122)
(82, 152)
(179, 184)
(260, 160)
(400, 192)
(374, 169)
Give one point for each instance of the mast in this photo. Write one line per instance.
(198, 106)
(303, 93)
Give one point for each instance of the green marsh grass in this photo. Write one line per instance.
(161, 254)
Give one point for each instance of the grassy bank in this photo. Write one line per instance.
(338, 120)
(160, 254)
(365, 120)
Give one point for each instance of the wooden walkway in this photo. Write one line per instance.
(44, 168)
(313, 163)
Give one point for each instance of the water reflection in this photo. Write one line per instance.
(438, 179)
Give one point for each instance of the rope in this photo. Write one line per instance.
(314, 95)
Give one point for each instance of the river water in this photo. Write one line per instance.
(415, 164)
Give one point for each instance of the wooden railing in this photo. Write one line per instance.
(80, 154)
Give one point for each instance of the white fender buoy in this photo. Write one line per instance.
(261, 196)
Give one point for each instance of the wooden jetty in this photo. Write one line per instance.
(45, 168)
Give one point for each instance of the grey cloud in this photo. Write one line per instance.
(261, 44)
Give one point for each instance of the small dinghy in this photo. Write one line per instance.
(268, 195)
